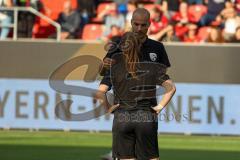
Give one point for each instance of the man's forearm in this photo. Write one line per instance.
(170, 89)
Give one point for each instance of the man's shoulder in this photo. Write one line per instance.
(154, 42)
(113, 52)
(155, 45)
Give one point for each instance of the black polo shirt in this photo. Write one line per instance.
(152, 52)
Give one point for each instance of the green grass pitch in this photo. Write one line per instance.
(57, 145)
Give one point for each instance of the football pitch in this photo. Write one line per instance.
(57, 145)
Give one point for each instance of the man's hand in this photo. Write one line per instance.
(64, 35)
(170, 90)
(101, 97)
(158, 108)
(113, 108)
(107, 62)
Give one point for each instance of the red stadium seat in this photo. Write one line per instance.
(92, 31)
(151, 6)
(203, 33)
(56, 6)
(197, 11)
(103, 6)
(41, 28)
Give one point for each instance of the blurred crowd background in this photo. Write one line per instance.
(199, 21)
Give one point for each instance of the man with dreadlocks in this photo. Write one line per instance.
(133, 71)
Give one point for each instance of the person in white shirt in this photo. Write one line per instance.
(5, 19)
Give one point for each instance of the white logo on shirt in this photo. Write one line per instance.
(153, 56)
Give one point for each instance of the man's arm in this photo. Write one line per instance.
(103, 88)
(101, 96)
(75, 23)
(72, 26)
(161, 33)
(170, 90)
(105, 66)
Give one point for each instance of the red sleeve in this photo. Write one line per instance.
(164, 21)
(191, 18)
(180, 30)
(176, 17)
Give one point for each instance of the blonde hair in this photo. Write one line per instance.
(130, 46)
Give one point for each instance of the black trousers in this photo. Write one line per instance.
(26, 21)
(135, 134)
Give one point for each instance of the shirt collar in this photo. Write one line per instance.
(146, 43)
